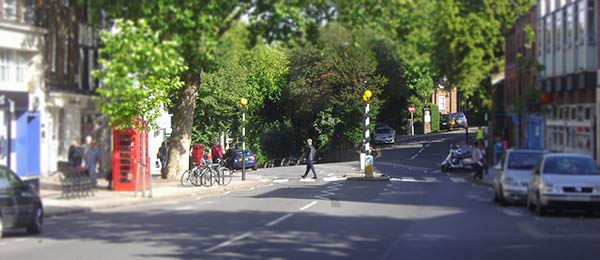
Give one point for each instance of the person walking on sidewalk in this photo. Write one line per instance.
(309, 153)
(478, 164)
(75, 154)
(92, 161)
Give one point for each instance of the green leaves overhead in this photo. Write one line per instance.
(138, 71)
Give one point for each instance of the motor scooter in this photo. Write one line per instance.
(458, 158)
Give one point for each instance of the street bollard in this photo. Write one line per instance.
(369, 166)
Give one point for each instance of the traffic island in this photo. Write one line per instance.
(364, 177)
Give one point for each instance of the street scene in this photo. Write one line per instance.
(421, 213)
(326, 129)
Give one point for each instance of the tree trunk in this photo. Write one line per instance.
(183, 117)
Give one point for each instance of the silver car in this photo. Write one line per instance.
(514, 173)
(564, 181)
(386, 135)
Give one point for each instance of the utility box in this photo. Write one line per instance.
(131, 161)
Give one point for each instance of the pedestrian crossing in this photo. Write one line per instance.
(429, 179)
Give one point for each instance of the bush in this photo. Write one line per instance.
(435, 117)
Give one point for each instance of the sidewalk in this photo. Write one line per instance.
(54, 205)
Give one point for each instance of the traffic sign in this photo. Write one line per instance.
(411, 109)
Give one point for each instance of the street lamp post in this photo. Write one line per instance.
(244, 103)
(365, 147)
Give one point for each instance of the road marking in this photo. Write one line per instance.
(430, 179)
(281, 180)
(21, 240)
(252, 188)
(334, 179)
(227, 192)
(409, 179)
(420, 151)
(184, 208)
(307, 180)
(309, 205)
(458, 179)
(282, 218)
(511, 212)
(226, 243)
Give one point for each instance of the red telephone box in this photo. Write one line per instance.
(131, 161)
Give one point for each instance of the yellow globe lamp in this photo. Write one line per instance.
(365, 98)
(368, 94)
(243, 102)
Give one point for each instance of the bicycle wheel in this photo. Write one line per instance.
(195, 177)
(207, 178)
(225, 176)
(185, 179)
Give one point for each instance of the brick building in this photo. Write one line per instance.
(446, 99)
(522, 115)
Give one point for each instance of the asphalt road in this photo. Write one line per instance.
(421, 214)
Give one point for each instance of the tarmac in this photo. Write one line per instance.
(161, 190)
(103, 198)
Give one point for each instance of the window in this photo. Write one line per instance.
(581, 22)
(8, 179)
(549, 34)
(29, 11)
(570, 27)
(13, 65)
(591, 23)
(5, 67)
(442, 102)
(9, 10)
(540, 38)
(559, 29)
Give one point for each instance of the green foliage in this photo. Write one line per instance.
(327, 81)
(138, 71)
(435, 117)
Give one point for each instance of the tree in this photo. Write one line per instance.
(138, 72)
(197, 26)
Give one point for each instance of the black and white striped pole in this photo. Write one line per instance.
(244, 103)
(365, 148)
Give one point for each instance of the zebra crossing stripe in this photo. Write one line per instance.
(458, 179)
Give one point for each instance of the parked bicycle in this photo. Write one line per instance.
(207, 175)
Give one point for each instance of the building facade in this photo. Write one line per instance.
(523, 116)
(567, 49)
(446, 99)
(21, 86)
(70, 56)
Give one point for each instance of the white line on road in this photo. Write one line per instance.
(409, 179)
(309, 205)
(430, 179)
(420, 151)
(227, 192)
(282, 218)
(511, 212)
(281, 180)
(21, 240)
(226, 243)
(458, 179)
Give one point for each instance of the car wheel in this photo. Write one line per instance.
(1, 226)
(36, 223)
(530, 205)
(501, 199)
(539, 208)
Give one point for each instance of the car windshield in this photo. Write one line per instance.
(570, 166)
(455, 116)
(523, 160)
(247, 151)
(383, 131)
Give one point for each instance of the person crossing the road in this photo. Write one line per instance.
(309, 153)
(478, 161)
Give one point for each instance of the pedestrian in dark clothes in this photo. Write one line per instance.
(309, 153)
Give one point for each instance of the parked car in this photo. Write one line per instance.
(564, 181)
(457, 120)
(20, 204)
(250, 159)
(444, 122)
(514, 173)
(385, 135)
